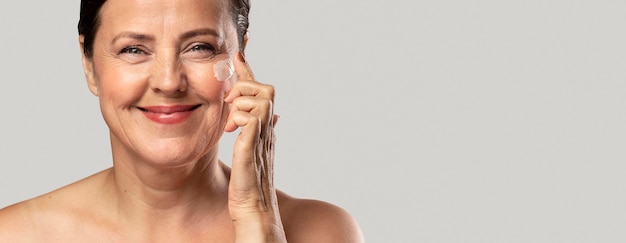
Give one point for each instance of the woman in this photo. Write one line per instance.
(170, 77)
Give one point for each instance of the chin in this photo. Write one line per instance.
(165, 153)
(174, 155)
(174, 148)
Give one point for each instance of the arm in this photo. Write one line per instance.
(252, 200)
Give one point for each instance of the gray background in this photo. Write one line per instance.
(429, 121)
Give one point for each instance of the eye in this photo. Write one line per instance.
(134, 50)
(134, 54)
(200, 51)
(203, 47)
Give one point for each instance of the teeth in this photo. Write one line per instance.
(168, 113)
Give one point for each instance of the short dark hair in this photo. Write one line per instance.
(89, 21)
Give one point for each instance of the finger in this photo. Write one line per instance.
(242, 68)
(250, 88)
(259, 107)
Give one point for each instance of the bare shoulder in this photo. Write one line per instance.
(29, 221)
(16, 222)
(42, 218)
(308, 220)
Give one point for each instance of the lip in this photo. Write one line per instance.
(168, 114)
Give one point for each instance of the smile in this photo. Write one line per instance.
(168, 114)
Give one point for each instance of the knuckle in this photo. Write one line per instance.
(243, 102)
(269, 90)
(267, 104)
(254, 120)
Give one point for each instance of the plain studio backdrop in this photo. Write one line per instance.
(429, 121)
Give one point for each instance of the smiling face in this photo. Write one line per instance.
(153, 71)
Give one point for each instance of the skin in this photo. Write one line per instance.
(166, 183)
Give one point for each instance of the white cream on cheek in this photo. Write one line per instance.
(224, 69)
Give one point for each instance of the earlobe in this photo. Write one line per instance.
(88, 68)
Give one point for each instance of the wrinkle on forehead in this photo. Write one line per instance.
(164, 18)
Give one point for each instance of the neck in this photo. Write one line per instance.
(153, 194)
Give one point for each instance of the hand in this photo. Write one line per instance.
(252, 201)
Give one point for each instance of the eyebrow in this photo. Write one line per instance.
(133, 35)
(198, 32)
(146, 37)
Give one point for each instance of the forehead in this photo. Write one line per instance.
(164, 15)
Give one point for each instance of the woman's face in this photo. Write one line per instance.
(153, 71)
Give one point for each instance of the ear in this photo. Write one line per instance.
(88, 68)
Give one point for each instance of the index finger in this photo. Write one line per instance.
(242, 68)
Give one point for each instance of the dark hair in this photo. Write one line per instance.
(89, 21)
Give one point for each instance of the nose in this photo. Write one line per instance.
(168, 78)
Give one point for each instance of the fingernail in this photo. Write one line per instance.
(242, 58)
(275, 120)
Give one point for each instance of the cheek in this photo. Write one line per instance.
(202, 78)
(122, 86)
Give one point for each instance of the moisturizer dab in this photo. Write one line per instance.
(224, 69)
